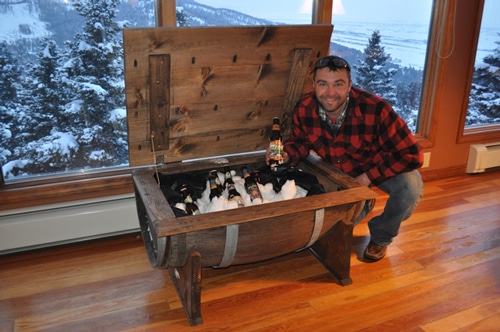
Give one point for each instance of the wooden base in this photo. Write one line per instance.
(333, 251)
(187, 281)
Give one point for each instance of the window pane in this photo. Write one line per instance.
(484, 99)
(386, 52)
(62, 104)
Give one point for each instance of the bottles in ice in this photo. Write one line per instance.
(213, 173)
(214, 188)
(232, 193)
(256, 176)
(275, 145)
(250, 185)
(191, 207)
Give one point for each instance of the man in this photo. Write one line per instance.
(359, 133)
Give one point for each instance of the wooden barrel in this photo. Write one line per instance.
(250, 234)
(243, 243)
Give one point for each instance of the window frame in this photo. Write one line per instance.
(68, 189)
(480, 133)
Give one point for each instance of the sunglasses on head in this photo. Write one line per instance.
(331, 61)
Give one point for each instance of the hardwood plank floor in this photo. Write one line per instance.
(442, 273)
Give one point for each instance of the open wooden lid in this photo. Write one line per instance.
(201, 92)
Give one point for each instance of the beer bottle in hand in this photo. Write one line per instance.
(232, 193)
(191, 207)
(275, 145)
(250, 185)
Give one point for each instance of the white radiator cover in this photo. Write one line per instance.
(49, 225)
(483, 157)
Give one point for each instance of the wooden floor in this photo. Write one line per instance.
(442, 273)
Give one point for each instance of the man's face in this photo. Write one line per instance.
(332, 89)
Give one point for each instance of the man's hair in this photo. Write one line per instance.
(333, 63)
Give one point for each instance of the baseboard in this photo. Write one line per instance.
(429, 174)
(57, 224)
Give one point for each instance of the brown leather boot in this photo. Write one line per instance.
(374, 251)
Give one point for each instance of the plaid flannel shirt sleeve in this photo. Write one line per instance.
(298, 145)
(399, 150)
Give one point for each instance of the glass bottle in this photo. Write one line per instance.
(191, 207)
(275, 145)
(232, 193)
(215, 175)
(250, 185)
(214, 188)
(256, 176)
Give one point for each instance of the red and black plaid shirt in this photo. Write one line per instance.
(373, 139)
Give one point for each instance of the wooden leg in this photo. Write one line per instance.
(187, 281)
(334, 251)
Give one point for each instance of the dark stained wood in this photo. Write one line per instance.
(294, 88)
(334, 252)
(225, 86)
(54, 191)
(187, 281)
(159, 101)
(160, 213)
(442, 273)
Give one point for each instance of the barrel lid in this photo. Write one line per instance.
(197, 92)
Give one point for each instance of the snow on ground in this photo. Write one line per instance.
(21, 21)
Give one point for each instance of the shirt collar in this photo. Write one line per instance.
(334, 126)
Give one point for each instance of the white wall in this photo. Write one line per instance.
(61, 223)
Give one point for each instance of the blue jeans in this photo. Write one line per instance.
(405, 191)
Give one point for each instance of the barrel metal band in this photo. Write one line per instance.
(230, 246)
(319, 218)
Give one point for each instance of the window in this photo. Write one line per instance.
(401, 34)
(387, 52)
(483, 107)
(96, 181)
(61, 98)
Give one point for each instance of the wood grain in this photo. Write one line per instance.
(220, 90)
(442, 273)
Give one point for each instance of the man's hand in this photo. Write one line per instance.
(363, 179)
(284, 154)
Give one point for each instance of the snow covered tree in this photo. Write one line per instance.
(182, 18)
(372, 73)
(95, 78)
(484, 101)
(408, 102)
(9, 74)
(41, 96)
(39, 146)
(9, 117)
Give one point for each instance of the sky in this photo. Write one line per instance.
(286, 10)
(296, 10)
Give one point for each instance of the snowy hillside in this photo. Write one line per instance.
(203, 15)
(21, 21)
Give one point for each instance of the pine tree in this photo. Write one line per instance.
(41, 95)
(408, 102)
(40, 145)
(95, 77)
(484, 102)
(9, 74)
(9, 117)
(372, 73)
